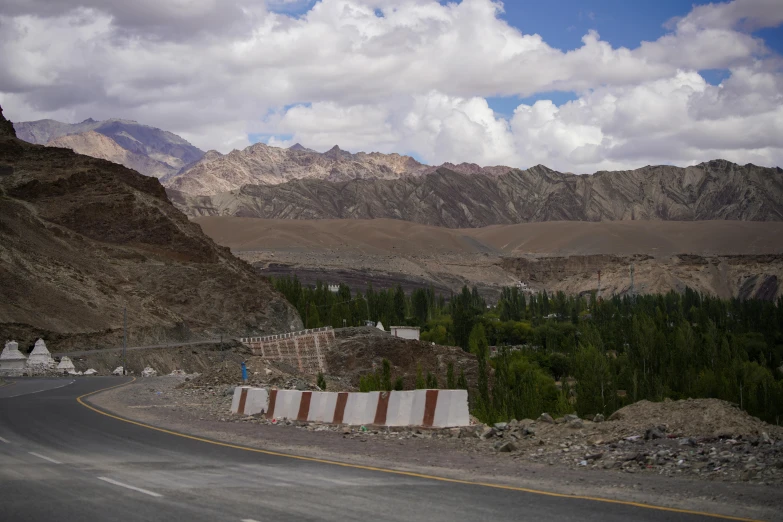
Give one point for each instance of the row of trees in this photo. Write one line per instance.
(318, 306)
(614, 351)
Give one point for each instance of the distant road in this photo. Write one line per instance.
(60, 460)
(167, 345)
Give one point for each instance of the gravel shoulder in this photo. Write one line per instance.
(206, 413)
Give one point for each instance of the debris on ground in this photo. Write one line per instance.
(700, 438)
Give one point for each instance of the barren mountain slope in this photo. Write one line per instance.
(97, 145)
(156, 144)
(81, 238)
(261, 164)
(713, 190)
(726, 258)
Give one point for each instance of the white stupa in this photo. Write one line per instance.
(66, 365)
(11, 358)
(40, 357)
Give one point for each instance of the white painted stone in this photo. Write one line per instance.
(417, 407)
(91, 371)
(287, 404)
(149, 372)
(236, 397)
(399, 410)
(318, 405)
(452, 409)
(257, 401)
(119, 370)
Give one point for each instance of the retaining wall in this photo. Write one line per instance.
(302, 350)
(429, 408)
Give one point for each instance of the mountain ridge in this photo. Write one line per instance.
(151, 151)
(717, 189)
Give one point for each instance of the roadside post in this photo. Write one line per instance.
(244, 373)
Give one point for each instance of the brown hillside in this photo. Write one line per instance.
(81, 238)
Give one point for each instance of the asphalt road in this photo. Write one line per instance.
(61, 461)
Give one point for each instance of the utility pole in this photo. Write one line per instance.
(124, 338)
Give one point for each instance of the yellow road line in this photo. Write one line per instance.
(7, 383)
(399, 472)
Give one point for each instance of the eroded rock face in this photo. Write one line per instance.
(81, 238)
(6, 127)
(712, 190)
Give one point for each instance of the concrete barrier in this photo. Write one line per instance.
(249, 401)
(428, 408)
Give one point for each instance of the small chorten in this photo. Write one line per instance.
(66, 365)
(11, 358)
(40, 356)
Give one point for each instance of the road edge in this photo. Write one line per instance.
(82, 400)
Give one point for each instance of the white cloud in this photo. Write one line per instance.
(413, 79)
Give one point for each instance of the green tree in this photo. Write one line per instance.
(386, 378)
(593, 378)
(450, 381)
(420, 382)
(462, 381)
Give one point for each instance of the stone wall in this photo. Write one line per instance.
(304, 350)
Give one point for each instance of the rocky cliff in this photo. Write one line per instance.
(151, 151)
(261, 164)
(83, 238)
(712, 190)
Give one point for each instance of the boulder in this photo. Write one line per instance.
(505, 447)
(119, 370)
(91, 371)
(656, 432)
(148, 372)
(545, 417)
(598, 418)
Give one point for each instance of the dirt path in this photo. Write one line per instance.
(205, 413)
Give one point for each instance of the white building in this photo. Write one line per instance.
(334, 288)
(405, 332)
(66, 365)
(11, 358)
(40, 358)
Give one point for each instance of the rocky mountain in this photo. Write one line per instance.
(261, 164)
(97, 145)
(151, 151)
(82, 238)
(712, 190)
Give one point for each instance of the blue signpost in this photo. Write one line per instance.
(244, 372)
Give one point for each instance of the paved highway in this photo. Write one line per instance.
(61, 461)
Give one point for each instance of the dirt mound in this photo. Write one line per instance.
(359, 351)
(260, 373)
(693, 418)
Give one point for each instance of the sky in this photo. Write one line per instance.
(579, 86)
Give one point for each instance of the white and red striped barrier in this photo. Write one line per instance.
(429, 408)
